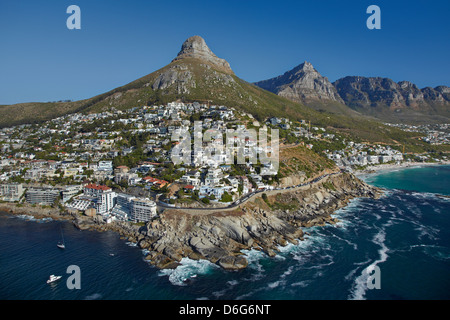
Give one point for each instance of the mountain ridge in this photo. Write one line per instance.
(388, 100)
(376, 97)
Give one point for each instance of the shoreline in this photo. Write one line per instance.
(219, 237)
(376, 169)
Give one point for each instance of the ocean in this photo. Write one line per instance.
(404, 236)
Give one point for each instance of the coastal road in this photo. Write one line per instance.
(247, 197)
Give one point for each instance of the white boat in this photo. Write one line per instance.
(53, 278)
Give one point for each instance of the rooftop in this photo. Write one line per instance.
(97, 187)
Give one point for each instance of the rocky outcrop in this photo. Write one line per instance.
(33, 210)
(196, 70)
(178, 78)
(220, 237)
(302, 84)
(195, 47)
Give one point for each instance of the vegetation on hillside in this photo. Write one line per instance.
(222, 89)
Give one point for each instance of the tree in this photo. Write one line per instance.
(240, 188)
(194, 195)
(264, 197)
(89, 172)
(226, 197)
(180, 193)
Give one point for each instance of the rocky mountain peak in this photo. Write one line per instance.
(196, 47)
(302, 84)
(307, 67)
(407, 85)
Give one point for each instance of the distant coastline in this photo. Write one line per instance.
(393, 166)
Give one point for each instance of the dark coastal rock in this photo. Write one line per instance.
(161, 261)
(233, 263)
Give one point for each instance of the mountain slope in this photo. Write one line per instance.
(197, 74)
(36, 112)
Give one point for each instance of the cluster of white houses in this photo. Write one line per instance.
(86, 154)
(354, 156)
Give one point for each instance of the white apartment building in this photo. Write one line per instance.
(213, 177)
(122, 209)
(142, 209)
(70, 191)
(11, 191)
(129, 207)
(102, 197)
(45, 195)
(105, 166)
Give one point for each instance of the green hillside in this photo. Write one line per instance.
(191, 79)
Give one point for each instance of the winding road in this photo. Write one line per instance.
(247, 197)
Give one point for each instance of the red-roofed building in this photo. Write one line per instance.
(102, 197)
(145, 163)
(96, 187)
(156, 182)
(189, 187)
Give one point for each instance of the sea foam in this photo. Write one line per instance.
(188, 269)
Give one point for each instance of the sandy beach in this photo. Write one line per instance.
(394, 166)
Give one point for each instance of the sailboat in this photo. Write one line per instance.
(61, 243)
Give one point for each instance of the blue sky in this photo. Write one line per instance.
(120, 41)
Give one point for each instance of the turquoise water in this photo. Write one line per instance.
(435, 179)
(406, 234)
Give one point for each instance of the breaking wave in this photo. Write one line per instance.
(188, 270)
(32, 218)
(360, 286)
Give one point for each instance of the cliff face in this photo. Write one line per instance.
(384, 98)
(195, 47)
